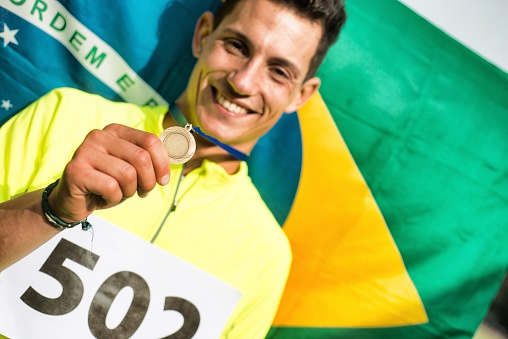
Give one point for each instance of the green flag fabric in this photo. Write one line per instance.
(426, 121)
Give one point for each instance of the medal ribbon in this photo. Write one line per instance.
(178, 116)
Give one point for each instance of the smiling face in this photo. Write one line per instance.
(250, 70)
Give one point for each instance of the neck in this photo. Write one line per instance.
(206, 150)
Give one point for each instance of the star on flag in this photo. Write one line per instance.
(8, 35)
(6, 104)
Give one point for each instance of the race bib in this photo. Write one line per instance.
(110, 284)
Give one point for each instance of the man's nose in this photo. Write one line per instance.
(246, 79)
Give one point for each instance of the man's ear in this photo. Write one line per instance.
(308, 88)
(203, 28)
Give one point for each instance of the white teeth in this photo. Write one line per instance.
(233, 108)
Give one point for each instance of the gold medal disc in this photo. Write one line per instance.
(179, 143)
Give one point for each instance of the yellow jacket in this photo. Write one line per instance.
(220, 225)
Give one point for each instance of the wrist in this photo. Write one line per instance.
(55, 220)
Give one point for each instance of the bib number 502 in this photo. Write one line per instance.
(73, 290)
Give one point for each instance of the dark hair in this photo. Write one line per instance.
(330, 14)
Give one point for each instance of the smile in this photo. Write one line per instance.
(229, 106)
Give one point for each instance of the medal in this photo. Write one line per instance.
(179, 143)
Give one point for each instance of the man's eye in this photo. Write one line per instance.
(235, 46)
(280, 73)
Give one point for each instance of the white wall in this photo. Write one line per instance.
(481, 25)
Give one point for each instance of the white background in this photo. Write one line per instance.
(481, 25)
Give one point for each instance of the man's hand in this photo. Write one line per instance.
(110, 166)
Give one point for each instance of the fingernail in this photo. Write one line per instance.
(165, 180)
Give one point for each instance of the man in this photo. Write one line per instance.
(256, 60)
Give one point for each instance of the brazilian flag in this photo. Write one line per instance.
(391, 183)
(400, 221)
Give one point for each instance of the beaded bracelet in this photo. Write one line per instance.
(51, 216)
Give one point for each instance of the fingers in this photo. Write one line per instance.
(150, 154)
(108, 176)
(110, 166)
(130, 165)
